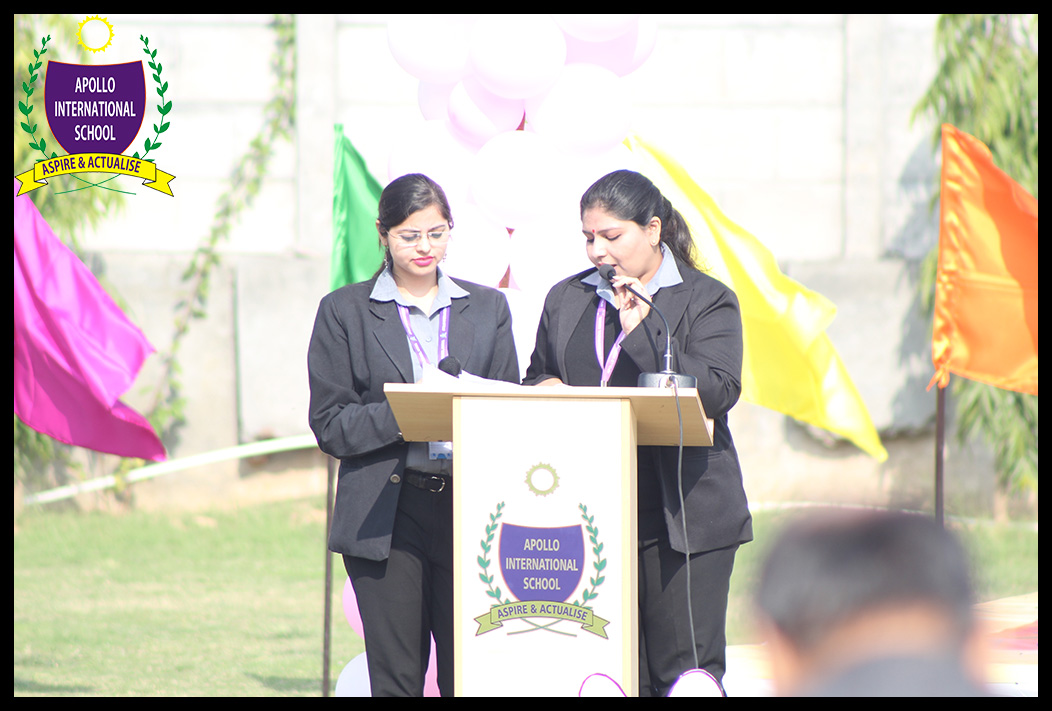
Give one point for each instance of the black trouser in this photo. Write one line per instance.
(409, 596)
(664, 623)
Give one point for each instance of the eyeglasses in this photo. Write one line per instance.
(411, 239)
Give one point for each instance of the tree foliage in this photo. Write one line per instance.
(986, 85)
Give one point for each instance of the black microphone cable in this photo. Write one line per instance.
(672, 380)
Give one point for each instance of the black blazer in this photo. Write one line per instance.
(357, 346)
(707, 343)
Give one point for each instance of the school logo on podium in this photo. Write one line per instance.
(95, 113)
(542, 568)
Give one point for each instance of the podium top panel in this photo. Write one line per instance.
(425, 413)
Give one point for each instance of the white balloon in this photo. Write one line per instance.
(354, 679)
(526, 310)
(585, 111)
(622, 55)
(476, 114)
(433, 98)
(512, 177)
(479, 249)
(431, 149)
(433, 48)
(546, 251)
(695, 683)
(596, 28)
(588, 169)
(516, 56)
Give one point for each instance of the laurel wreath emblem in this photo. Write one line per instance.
(484, 561)
(600, 561)
(26, 108)
(163, 107)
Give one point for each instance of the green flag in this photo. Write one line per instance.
(356, 253)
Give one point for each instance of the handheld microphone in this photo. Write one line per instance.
(451, 366)
(667, 377)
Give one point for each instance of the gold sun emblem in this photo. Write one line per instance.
(542, 479)
(95, 34)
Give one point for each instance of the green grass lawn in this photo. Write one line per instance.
(231, 603)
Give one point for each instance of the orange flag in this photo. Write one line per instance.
(985, 325)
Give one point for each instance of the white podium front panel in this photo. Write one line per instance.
(544, 545)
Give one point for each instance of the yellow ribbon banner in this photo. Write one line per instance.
(499, 614)
(150, 174)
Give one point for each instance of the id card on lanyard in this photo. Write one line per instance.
(435, 450)
(607, 364)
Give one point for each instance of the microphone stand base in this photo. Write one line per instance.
(666, 380)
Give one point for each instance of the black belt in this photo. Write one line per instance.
(435, 483)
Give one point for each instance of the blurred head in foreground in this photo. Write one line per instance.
(867, 604)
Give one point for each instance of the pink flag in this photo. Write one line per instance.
(76, 352)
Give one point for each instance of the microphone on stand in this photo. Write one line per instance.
(667, 377)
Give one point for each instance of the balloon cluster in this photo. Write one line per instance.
(522, 113)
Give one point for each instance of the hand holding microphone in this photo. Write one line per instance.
(667, 376)
(626, 290)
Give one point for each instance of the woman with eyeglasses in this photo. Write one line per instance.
(393, 517)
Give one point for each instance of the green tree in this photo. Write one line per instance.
(986, 85)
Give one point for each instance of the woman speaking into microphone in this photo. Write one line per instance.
(393, 517)
(595, 331)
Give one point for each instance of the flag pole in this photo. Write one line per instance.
(326, 637)
(940, 428)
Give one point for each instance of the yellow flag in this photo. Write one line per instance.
(789, 364)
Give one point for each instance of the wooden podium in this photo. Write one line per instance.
(544, 539)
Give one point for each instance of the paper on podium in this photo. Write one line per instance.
(424, 409)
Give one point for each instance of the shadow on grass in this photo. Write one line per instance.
(31, 687)
(288, 685)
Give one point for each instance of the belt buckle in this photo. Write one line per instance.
(431, 479)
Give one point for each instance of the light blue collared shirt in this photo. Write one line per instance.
(425, 326)
(667, 275)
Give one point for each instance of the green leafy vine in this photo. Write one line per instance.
(166, 413)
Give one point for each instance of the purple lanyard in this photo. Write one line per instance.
(414, 342)
(615, 351)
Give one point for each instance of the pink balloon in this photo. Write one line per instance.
(477, 114)
(350, 609)
(431, 677)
